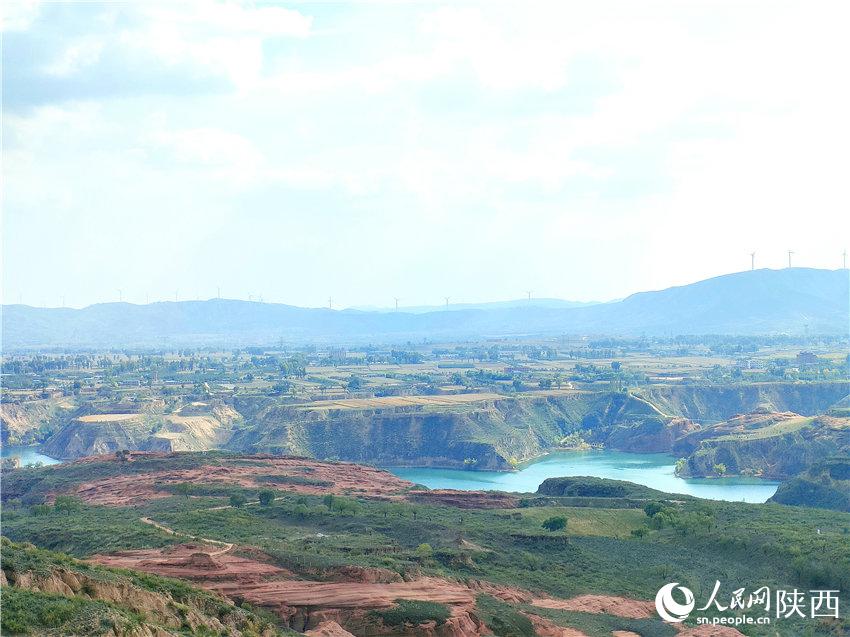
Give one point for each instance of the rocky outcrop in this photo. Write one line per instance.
(630, 423)
(826, 485)
(195, 427)
(479, 432)
(46, 574)
(479, 437)
(491, 434)
(30, 422)
(328, 629)
(706, 404)
(768, 445)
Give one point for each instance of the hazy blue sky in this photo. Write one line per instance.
(365, 151)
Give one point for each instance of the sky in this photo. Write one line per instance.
(293, 152)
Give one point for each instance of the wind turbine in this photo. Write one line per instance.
(790, 252)
(447, 301)
(528, 292)
(218, 292)
(120, 295)
(844, 256)
(330, 303)
(752, 260)
(396, 302)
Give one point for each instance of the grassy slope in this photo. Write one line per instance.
(27, 610)
(826, 485)
(736, 543)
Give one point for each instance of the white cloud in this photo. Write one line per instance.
(226, 155)
(643, 145)
(220, 36)
(18, 15)
(75, 57)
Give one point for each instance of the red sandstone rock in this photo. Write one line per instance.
(609, 605)
(328, 629)
(547, 628)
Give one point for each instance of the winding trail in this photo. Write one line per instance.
(226, 546)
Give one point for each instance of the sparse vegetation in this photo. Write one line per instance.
(413, 612)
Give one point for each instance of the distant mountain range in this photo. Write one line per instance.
(490, 305)
(790, 301)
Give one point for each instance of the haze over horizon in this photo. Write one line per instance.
(454, 303)
(584, 153)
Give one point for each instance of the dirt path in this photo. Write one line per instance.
(226, 546)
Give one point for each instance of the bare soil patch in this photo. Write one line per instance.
(307, 476)
(604, 604)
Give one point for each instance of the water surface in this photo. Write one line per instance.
(655, 470)
(28, 455)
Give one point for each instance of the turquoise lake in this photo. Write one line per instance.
(28, 455)
(652, 470)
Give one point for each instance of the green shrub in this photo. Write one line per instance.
(555, 523)
(409, 611)
(25, 612)
(653, 508)
(503, 619)
(424, 551)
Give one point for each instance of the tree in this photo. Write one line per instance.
(266, 497)
(329, 500)
(183, 488)
(67, 504)
(424, 551)
(40, 509)
(653, 508)
(238, 500)
(345, 505)
(720, 469)
(555, 523)
(355, 383)
(664, 518)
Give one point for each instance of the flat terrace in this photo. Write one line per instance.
(448, 400)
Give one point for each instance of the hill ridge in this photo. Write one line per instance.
(757, 302)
